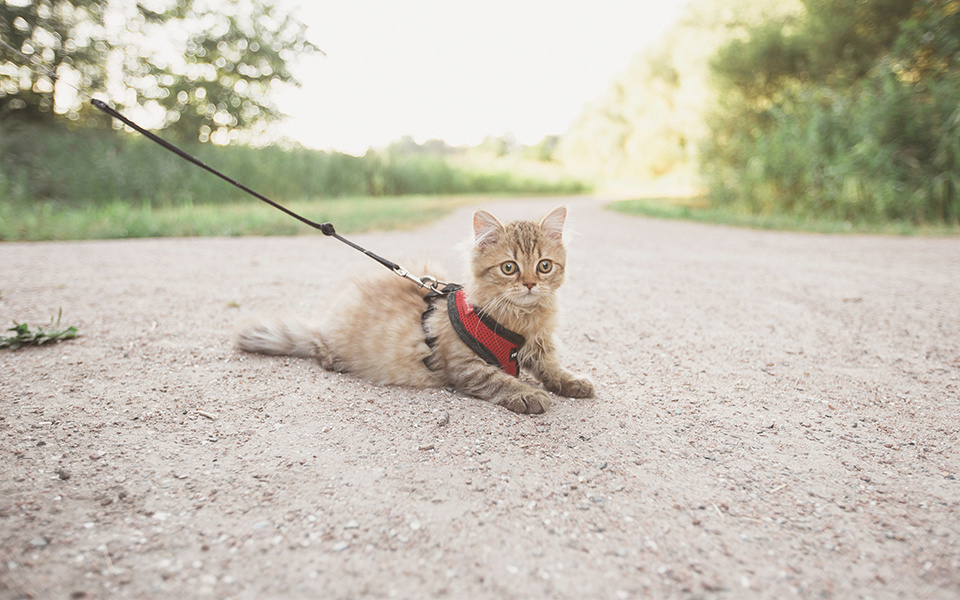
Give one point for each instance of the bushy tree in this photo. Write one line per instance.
(42, 40)
(202, 68)
(852, 114)
(650, 122)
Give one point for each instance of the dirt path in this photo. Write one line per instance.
(777, 416)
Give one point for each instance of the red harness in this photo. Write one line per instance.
(492, 342)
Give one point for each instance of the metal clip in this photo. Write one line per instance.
(426, 281)
(430, 282)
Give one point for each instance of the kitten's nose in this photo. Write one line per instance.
(529, 284)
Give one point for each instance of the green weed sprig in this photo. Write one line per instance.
(24, 336)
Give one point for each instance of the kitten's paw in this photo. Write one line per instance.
(577, 387)
(533, 402)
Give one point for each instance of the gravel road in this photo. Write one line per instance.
(777, 416)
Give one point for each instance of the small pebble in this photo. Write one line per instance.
(340, 546)
(63, 474)
(443, 419)
(39, 542)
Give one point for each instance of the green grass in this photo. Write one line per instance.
(95, 167)
(55, 221)
(61, 183)
(23, 335)
(701, 210)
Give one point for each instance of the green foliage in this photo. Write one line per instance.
(843, 38)
(54, 35)
(852, 116)
(24, 336)
(202, 69)
(651, 120)
(62, 183)
(758, 66)
(51, 221)
(59, 164)
(701, 209)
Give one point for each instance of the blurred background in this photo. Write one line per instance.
(839, 111)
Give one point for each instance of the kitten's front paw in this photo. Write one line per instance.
(577, 387)
(533, 402)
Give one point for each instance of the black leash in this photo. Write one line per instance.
(325, 228)
(109, 110)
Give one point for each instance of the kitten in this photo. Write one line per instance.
(385, 329)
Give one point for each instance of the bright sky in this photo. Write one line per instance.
(459, 70)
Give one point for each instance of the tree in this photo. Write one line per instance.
(852, 114)
(650, 122)
(203, 69)
(835, 43)
(57, 37)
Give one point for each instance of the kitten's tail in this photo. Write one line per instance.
(287, 335)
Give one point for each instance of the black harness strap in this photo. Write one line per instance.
(491, 341)
(430, 299)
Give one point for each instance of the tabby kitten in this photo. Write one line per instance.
(384, 329)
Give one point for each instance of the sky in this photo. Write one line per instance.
(459, 70)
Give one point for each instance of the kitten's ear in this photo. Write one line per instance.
(486, 228)
(552, 224)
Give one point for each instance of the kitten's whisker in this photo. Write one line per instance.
(492, 309)
(498, 307)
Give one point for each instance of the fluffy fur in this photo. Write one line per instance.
(374, 328)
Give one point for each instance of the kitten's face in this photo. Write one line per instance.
(520, 264)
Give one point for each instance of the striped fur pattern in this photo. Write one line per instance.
(374, 329)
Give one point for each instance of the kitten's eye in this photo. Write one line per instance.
(545, 266)
(509, 268)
